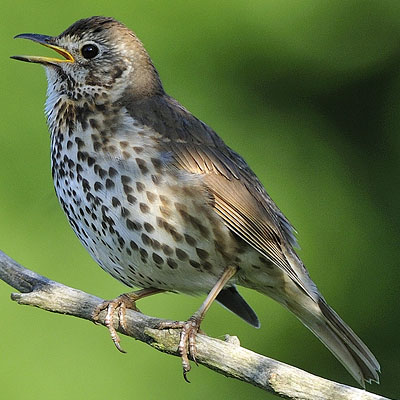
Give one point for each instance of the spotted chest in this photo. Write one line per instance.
(145, 224)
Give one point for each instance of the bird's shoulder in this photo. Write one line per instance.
(193, 146)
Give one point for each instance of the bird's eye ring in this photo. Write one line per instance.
(89, 51)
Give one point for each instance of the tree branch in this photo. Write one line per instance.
(227, 358)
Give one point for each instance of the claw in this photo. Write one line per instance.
(111, 306)
(185, 377)
(122, 303)
(187, 342)
(190, 328)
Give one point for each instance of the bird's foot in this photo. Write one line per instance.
(121, 303)
(187, 342)
(191, 327)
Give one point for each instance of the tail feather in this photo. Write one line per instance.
(339, 338)
(231, 299)
(365, 360)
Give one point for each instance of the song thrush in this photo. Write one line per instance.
(160, 201)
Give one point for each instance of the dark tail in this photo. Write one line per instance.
(345, 345)
(233, 301)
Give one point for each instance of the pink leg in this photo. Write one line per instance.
(127, 300)
(187, 343)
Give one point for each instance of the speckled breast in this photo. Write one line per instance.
(143, 221)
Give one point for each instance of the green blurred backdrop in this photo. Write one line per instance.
(308, 93)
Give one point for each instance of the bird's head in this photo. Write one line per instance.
(101, 57)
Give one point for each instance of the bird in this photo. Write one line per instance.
(159, 200)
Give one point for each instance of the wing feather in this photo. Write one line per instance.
(238, 196)
(240, 200)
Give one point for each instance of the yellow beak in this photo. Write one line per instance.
(45, 41)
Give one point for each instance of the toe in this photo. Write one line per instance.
(187, 342)
(121, 303)
(101, 307)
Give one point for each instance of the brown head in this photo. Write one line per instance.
(100, 55)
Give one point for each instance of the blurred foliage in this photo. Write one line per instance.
(308, 92)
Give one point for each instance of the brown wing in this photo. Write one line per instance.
(239, 197)
(244, 208)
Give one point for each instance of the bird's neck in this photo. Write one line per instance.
(96, 126)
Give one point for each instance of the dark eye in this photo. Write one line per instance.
(89, 51)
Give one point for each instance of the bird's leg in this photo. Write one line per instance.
(187, 342)
(126, 300)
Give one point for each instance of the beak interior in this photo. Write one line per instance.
(47, 41)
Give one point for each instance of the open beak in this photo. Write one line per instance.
(45, 41)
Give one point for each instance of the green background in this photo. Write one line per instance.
(308, 93)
